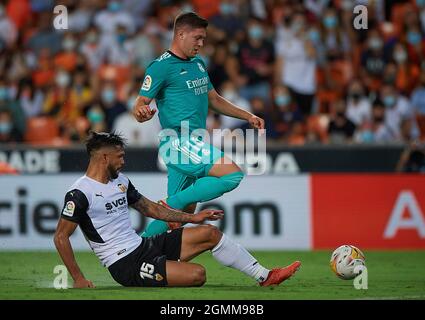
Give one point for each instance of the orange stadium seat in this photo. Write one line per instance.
(341, 72)
(41, 130)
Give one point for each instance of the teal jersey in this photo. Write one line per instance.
(180, 88)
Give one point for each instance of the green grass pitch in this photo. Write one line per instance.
(391, 275)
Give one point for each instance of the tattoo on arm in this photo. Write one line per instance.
(159, 212)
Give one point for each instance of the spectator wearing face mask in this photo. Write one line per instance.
(80, 17)
(145, 48)
(67, 58)
(263, 110)
(296, 65)
(118, 49)
(8, 132)
(252, 68)
(415, 45)
(341, 129)
(90, 48)
(335, 39)
(218, 69)
(96, 117)
(285, 110)
(110, 104)
(108, 19)
(30, 98)
(418, 96)
(13, 105)
(373, 61)
(81, 94)
(58, 103)
(358, 105)
(397, 108)
(227, 24)
(229, 91)
(135, 134)
(406, 73)
(375, 130)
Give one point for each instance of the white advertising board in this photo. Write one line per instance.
(268, 213)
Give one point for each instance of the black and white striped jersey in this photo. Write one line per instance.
(101, 210)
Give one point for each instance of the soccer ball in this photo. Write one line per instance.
(345, 259)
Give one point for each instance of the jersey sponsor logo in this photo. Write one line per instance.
(147, 83)
(121, 252)
(115, 204)
(198, 82)
(122, 187)
(99, 194)
(201, 67)
(69, 209)
(183, 71)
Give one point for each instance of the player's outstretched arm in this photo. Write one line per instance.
(64, 230)
(142, 111)
(225, 107)
(159, 212)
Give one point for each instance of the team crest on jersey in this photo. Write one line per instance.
(158, 277)
(69, 209)
(122, 187)
(147, 83)
(201, 67)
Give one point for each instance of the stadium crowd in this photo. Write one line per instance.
(300, 65)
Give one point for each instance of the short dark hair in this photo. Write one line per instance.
(98, 140)
(190, 19)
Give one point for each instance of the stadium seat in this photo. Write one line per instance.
(325, 98)
(41, 130)
(341, 72)
(297, 136)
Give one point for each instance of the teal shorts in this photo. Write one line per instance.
(187, 159)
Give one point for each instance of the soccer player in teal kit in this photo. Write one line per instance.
(179, 82)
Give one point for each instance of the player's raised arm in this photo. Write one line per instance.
(160, 212)
(64, 230)
(141, 110)
(225, 107)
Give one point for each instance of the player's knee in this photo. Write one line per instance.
(199, 276)
(212, 235)
(232, 180)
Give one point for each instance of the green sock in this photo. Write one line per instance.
(204, 189)
(155, 227)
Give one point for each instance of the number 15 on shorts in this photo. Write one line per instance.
(146, 270)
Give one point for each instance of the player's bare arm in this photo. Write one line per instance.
(225, 107)
(64, 230)
(159, 212)
(141, 110)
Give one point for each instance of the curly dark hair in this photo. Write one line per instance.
(98, 140)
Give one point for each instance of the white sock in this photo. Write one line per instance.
(232, 254)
